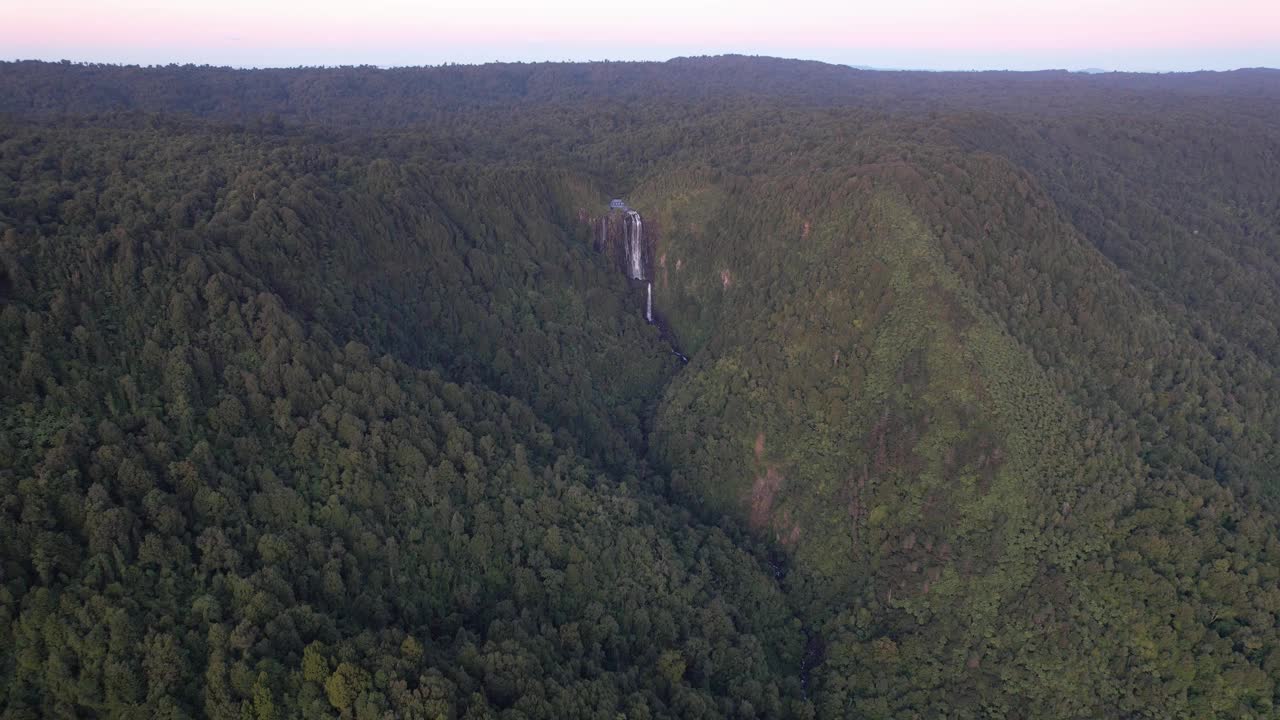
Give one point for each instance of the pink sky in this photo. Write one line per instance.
(1025, 34)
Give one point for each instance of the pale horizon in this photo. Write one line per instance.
(1138, 36)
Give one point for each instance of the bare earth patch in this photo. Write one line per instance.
(763, 492)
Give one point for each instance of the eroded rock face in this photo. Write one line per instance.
(628, 239)
(636, 260)
(630, 243)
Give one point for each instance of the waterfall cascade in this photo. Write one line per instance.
(622, 239)
(626, 244)
(635, 245)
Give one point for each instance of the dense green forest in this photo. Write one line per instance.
(318, 400)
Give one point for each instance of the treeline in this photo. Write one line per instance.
(397, 97)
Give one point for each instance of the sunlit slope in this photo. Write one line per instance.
(1185, 205)
(952, 511)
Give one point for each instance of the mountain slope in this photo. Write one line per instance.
(866, 398)
(319, 401)
(245, 472)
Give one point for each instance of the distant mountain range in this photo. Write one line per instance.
(1087, 71)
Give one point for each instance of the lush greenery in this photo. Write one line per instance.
(317, 401)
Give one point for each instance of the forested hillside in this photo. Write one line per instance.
(317, 400)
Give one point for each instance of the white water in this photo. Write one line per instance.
(633, 240)
(635, 245)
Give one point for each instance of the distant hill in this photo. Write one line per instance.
(401, 96)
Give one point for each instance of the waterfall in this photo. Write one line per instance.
(635, 245)
(631, 256)
(637, 260)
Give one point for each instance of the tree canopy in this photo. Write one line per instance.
(316, 399)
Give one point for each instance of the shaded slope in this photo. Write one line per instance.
(244, 472)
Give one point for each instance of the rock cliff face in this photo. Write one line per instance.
(630, 242)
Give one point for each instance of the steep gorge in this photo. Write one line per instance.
(620, 236)
(363, 420)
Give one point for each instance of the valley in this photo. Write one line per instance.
(356, 393)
